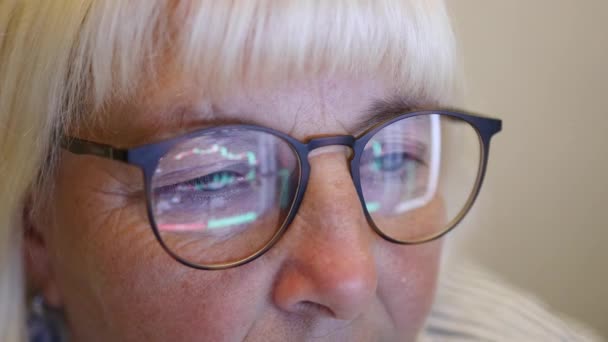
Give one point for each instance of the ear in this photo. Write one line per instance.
(38, 259)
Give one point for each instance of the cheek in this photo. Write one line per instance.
(407, 282)
(115, 278)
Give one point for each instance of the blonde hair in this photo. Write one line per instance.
(62, 60)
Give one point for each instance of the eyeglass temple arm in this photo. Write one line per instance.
(79, 146)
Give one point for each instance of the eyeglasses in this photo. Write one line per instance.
(222, 196)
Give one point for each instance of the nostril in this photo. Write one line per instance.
(309, 308)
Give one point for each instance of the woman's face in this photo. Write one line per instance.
(329, 278)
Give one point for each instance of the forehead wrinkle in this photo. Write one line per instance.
(302, 109)
(296, 118)
(154, 113)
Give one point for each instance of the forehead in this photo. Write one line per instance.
(214, 44)
(303, 107)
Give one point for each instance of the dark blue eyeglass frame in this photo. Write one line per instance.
(147, 157)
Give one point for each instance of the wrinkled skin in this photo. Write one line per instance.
(329, 278)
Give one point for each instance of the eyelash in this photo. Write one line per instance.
(219, 176)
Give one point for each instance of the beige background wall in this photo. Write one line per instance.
(542, 220)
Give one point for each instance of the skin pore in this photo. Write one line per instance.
(329, 278)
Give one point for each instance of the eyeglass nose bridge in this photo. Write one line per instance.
(344, 140)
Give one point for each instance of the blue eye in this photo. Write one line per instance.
(390, 162)
(396, 161)
(212, 182)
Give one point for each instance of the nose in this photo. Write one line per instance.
(330, 269)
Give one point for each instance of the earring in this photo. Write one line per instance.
(44, 323)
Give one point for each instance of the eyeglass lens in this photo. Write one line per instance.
(222, 196)
(418, 174)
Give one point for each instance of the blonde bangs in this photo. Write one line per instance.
(221, 43)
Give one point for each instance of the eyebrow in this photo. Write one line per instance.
(383, 110)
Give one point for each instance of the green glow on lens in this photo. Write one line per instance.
(284, 198)
(230, 221)
(250, 175)
(223, 151)
(376, 165)
(377, 148)
(251, 158)
(372, 207)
